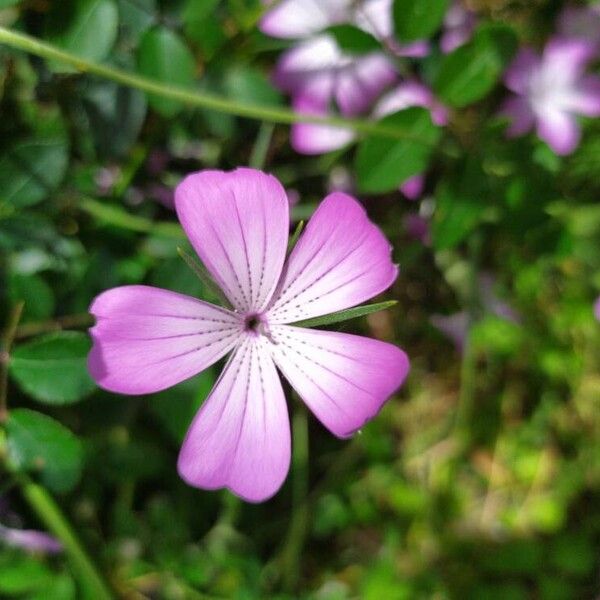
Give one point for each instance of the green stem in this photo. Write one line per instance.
(50, 514)
(191, 97)
(468, 373)
(58, 324)
(258, 158)
(5, 346)
(115, 215)
(296, 536)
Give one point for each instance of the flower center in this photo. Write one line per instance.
(252, 323)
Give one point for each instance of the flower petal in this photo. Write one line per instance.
(586, 99)
(559, 130)
(567, 58)
(519, 111)
(310, 67)
(301, 18)
(341, 260)
(361, 81)
(407, 94)
(518, 74)
(238, 223)
(147, 339)
(240, 438)
(311, 138)
(413, 187)
(344, 379)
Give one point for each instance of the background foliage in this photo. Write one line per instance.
(481, 479)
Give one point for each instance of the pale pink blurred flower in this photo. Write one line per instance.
(551, 90)
(459, 24)
(30, 540)
(417, 227)
(147, 339)
(597, 309)
(310, 138)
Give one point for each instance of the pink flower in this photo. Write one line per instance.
(30, 540)
(300, 19)
(597, 309)
(551, 91)
(459, 24)
(308, 138)
(147, 339)
(318, 71)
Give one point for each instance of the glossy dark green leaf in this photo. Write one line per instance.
(470, 72)
(35, 293)
(164, 57)
(418, 19)
(456, 216)
(246, 84)
(382, 164)
(461, 201)
(53, 368)
(202, 26)
(39, 444)
(138, 16)
(116, 115)
(32, 169)
(353, 40)
(87, 28)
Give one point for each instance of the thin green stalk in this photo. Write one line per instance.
(258, 158)
(50, 514)
(296, 536)
(115, 215)
(5, 346)
(58, 324)
(192, 97)
(468, 374)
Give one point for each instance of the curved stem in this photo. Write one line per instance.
(50, 514)
(5, 346)
(191, 97)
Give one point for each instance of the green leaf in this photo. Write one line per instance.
(164, 57)
(32, 169)
(22, 574)
(250, 85)
(353, 40)
(470, 72)
(136, 17)
(202, 26)
(41, 444)
(382, 164)
(295, 236)
(87, 28)
(455, 216)
(35, 292)
(53, 368)
(345, 315)
(418, 19)
(116, 115)
(7, 3)
(460, 205)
